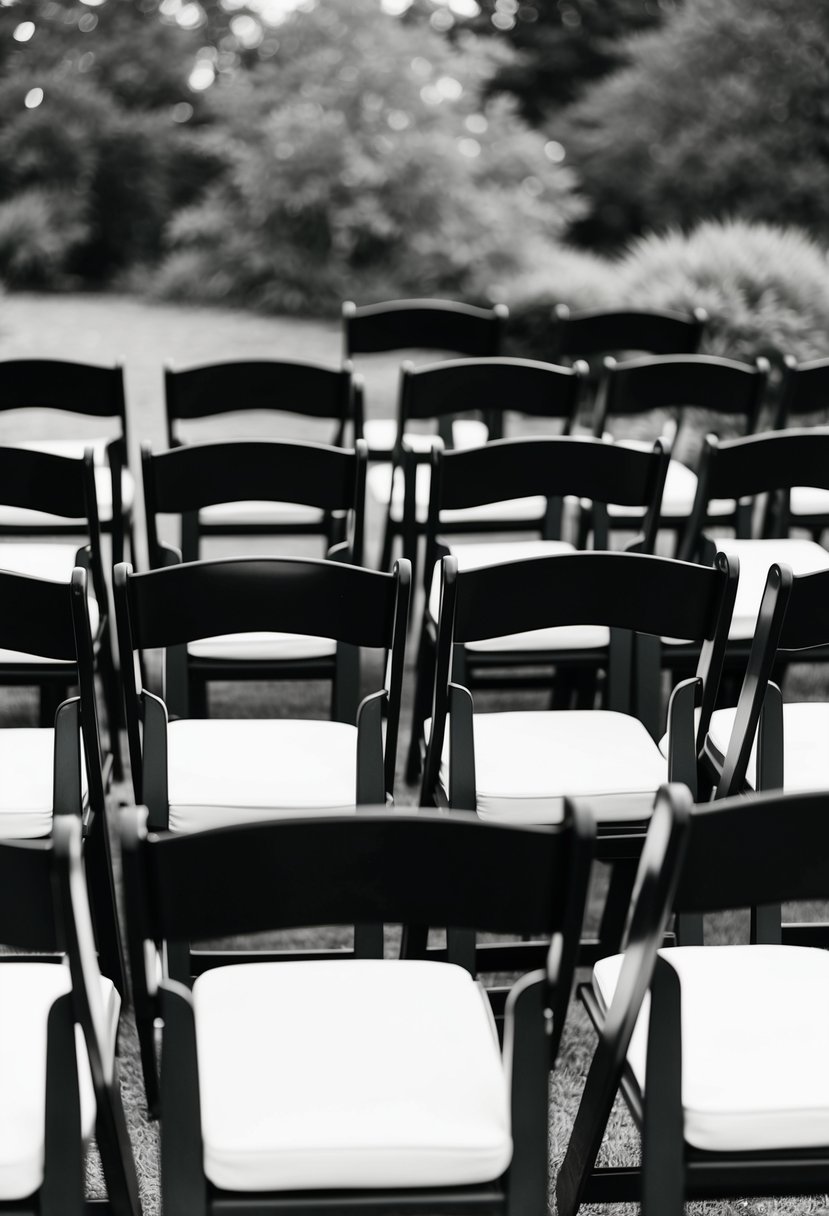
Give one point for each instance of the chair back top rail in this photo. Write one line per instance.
(497, 384)
(708, 382)
(594, 332)
(44, 481)
(276, 385)
(552, 466)
(36, 616)
(422, 325)
(200, 475)
(182, 603)
(410, 867)
(773, 460)
(805, 389)
(78, 388)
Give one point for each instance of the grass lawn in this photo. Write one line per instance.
(144, 336)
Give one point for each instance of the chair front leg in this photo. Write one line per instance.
(62, 1192)
(767, 921)
(663, 1131)
(183, 1184)
(683, 766)
(154, 761)
(462, 792)
(527, 1038)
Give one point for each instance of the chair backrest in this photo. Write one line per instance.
(444, 325)
(185, 479)
(275, 386)
(74, 388)
(674, 382)
(805, 390)
(756, 464)
(583, 335)
(627, 592)
(167, 608)
(552, 467)
(792, 618)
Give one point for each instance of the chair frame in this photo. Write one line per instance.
(554, 467)
(268, 386)
(489, 386)
(301, 860)
(87, 389)
(635, 595)
(713, 861)
(165, 609)
(185, 479)
(44, 903)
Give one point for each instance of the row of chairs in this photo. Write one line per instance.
(318, 1086)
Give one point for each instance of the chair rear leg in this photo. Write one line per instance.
(424, 678)
(101, 887)
(112, 702)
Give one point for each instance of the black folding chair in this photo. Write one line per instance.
(58, 1090)
(492, 477)
(87, 391)
(439, 391)
(597, 332)
(426, 325)
(733, 1042)
(186, 480)
(50, 772)
(318, 1086)
(520, 766)
(249, 396)
(803, 401)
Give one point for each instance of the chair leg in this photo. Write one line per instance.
(617, 903)
(424, 678)
(116, 1155)
(368, 941)
(197, 696)
(50, 698)
(388, 541)
(101, 888)
(112, 702)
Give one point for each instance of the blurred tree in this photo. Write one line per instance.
(723, 112)
(363, 162)
(563, 47)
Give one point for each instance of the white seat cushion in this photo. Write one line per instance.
(75, 448)
(755, 1053)
(262, 646)
(231, 770)
(809, 500)
(562, 637)
(805, 754)
(527, 762)
(380, 435)
(27, 766)
(322, 1075)
(241, 514)
(379, 482)
(27, 993)
(756, 556)
(48, 560)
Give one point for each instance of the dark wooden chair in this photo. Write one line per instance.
(520, 766)
(600, 332)
(318, 1086)
(87, 391)
(44, 486)
(58, 1089)
(54, 771)
(679, 387)
(549, 469)
(256, 395)
(439, 391)
(733, 1042)
(187, 480)
(426, 325)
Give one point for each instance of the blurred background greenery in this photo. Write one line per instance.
(286, 154)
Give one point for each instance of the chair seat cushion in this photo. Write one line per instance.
(755, 1053)
(241, 514)
(756, 556)
(262, 646)
(27, 993)
(380, 435)
(75, 448)
(27, 762)
(224, 771)
(379, 482)
(805, 755)
(327, 1075)
(562, 637)
(51, 560)
(809, 500)
(527, 762)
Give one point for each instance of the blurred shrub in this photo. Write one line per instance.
(765, 288)
(361, 164)
(722, 112)
(40, 232)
